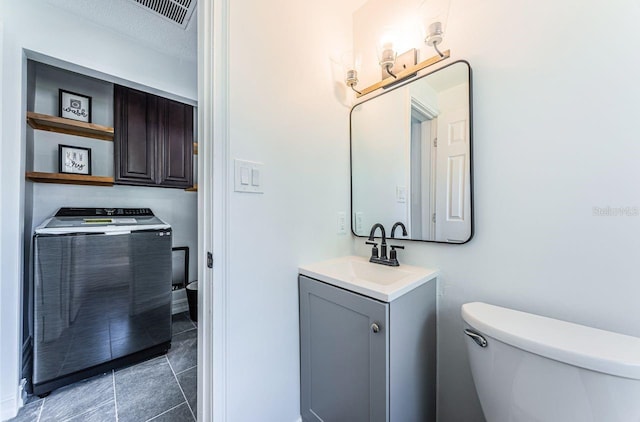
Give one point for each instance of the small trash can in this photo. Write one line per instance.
(192, 299)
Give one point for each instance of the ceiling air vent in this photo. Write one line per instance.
(176, 11)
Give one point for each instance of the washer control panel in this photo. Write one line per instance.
(104, 212)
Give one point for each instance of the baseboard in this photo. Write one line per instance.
(8, 408)
(22, 392)
(179, 306)
(27, 365)
(179, 302)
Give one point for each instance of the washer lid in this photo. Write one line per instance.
(578, 345)
(107, 225)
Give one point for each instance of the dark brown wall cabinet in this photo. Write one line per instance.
(153, 140)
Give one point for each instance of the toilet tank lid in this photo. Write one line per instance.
(578, 345)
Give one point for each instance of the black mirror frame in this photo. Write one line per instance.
(471, 178)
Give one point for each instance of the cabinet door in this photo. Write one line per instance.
(136, 131)
(153, 140)
(176, 147)
(344, 363)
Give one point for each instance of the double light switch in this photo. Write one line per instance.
(248, 176)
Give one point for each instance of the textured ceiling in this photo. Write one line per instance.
(133, 21)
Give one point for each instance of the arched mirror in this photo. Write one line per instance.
(411, 158)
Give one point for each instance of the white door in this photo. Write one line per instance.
(453, 212)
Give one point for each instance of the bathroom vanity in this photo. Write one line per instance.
(367, 341)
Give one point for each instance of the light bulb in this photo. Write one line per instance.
(387, 49)
(351, 65)
(434, 15)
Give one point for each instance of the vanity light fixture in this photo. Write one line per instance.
(434, 14)
(390, 61)
(406, 72)
(397, 67)
(387, 57)
(352, 80)
(434, 36)
(351, 65)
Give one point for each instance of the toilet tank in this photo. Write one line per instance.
(540, 369)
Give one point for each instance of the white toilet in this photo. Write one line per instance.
(530, 368)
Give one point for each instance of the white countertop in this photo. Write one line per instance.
(357, 274)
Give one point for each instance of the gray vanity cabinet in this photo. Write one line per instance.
(344, 363)
(366, 360)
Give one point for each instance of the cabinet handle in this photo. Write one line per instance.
(375, 327)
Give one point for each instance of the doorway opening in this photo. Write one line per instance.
(423, 155)
(163, 383)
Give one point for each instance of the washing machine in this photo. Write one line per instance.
(101, 293)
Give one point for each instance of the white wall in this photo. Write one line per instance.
(555, 134)
(37, 27)
(286, 111)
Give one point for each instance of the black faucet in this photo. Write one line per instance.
(392, 260)
(393, 256)
(383, 246)
(395, 226)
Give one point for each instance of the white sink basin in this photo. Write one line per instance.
(357, 274)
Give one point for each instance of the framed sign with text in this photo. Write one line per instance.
(74, 160)
(74, 106)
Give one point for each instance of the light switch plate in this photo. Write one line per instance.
(401, 194)
(249, 177)
(342, 223)
(359, 217)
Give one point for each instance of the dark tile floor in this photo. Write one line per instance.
(160, 389)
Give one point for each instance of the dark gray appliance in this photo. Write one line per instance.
(102, 293)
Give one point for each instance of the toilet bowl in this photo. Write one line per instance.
(531, 368)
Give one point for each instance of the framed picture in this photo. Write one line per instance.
(74, 160)
(74, 106)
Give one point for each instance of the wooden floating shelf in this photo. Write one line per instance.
(193, 188)
(70, 179)
(69, 127)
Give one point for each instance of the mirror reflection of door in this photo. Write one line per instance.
(423, 178)
(453, 206)
(411, 152)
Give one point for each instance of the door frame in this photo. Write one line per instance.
(212, 176)
(213, 202)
